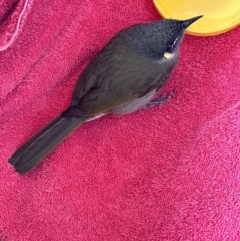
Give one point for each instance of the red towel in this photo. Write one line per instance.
(167, 173)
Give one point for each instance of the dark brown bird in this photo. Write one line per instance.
(123, 77)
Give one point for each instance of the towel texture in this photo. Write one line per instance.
(166, 173)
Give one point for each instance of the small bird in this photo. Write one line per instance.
(123, 77)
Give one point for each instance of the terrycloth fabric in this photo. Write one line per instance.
(167, 173)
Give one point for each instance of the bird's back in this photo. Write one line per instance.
(121, 73)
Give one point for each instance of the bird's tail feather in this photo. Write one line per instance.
(41, 144)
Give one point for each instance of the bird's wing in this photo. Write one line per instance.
(114, 78)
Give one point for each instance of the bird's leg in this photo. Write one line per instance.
(162, 99)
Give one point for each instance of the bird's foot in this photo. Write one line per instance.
(162, 99)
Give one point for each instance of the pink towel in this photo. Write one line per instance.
(167, 173)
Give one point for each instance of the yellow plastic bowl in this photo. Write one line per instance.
(219, 16)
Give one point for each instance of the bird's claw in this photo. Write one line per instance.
(162, 99)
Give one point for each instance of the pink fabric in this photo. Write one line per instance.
(166, 173)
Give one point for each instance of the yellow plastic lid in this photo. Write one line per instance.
(219, 16)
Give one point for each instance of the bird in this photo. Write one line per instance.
(123, 77)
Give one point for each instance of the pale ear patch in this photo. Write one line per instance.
(168, 55)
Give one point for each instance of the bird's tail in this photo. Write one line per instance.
(41, 144)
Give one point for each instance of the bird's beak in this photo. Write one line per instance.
(188, 22)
